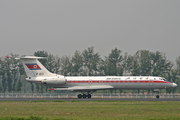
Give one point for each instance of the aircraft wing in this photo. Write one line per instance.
(84, 88)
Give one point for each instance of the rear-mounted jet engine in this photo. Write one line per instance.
(57, 81)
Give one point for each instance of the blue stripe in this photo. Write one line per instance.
(32, 64)
(36, 69)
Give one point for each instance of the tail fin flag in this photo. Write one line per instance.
(33, 67)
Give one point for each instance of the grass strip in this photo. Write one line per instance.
(104, 110)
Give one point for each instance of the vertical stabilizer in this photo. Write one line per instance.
(34, 68)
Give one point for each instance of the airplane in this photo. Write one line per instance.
(87, 85)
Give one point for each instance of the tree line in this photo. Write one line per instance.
(89, 63)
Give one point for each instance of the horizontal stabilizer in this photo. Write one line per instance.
(31, 57)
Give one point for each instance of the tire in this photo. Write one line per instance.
(89, 95)
(79, 96)
(84, 95)
(157, 96)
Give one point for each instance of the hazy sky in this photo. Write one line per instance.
(62, 26)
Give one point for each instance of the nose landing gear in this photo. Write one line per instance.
(157, 90)
(157, 96)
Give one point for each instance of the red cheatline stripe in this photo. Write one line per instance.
(51, 89)
(101, 81)
(161, 82)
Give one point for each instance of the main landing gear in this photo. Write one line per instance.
(84, 96)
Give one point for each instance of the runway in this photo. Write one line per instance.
(91, 99)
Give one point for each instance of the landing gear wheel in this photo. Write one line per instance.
(89, 95)
(157, 96)
(84, 95)
(79, 96)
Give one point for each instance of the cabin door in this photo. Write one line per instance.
(151, 83)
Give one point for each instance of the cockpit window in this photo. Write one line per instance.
(165, 80)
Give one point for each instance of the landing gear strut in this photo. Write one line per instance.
(157, 90)
(157, 96)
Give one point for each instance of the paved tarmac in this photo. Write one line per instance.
(91, 99)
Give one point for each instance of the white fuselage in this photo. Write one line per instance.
(117, 82)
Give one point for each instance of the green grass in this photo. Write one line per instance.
(95, 110)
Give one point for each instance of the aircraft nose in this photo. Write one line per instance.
(174, 85)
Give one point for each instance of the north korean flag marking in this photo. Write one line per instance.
(33, 66)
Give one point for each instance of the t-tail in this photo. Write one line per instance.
(34, 68)
(36, 72)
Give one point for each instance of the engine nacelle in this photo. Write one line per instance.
(57, 81)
